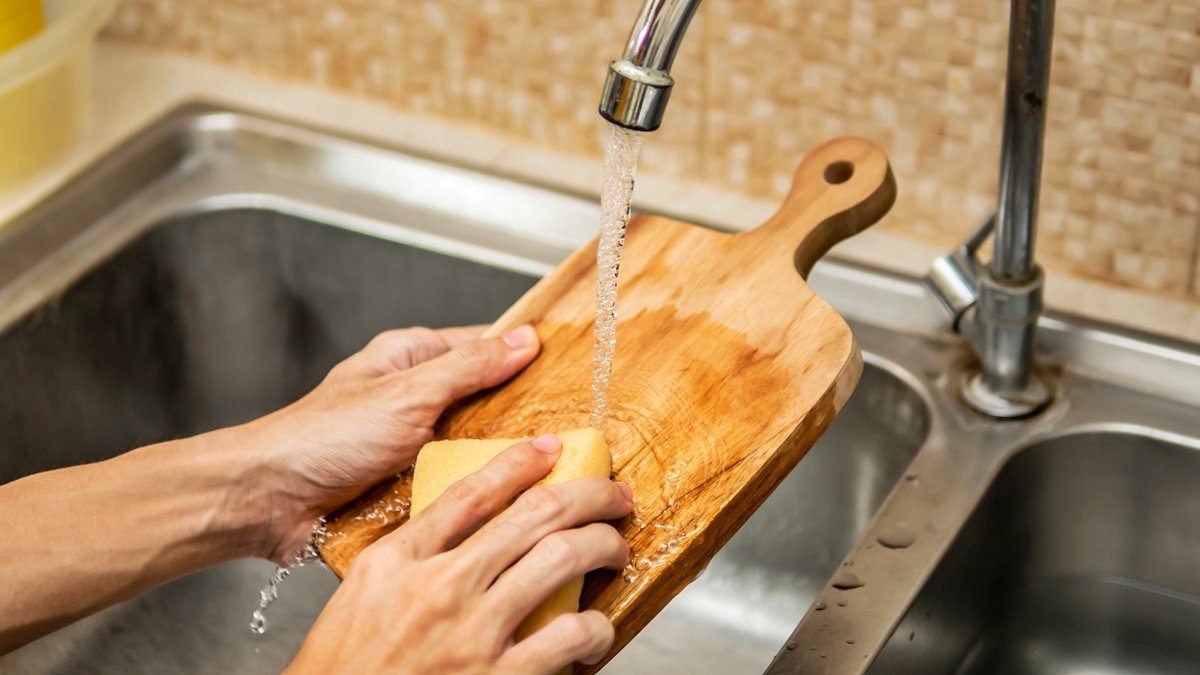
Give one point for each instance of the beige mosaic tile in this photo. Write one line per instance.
(761, 82)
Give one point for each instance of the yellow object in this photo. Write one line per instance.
(44, 80)
(442, 463)
(19, 21)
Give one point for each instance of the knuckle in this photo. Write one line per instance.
(543, 502)
(397, 346)
(387, 340)
(559, 552)
(418, 333)
(595, 484)
(475, 355)
(373, 561)
(613, 539)
(470, 496)
(582, 634)
(446, 601)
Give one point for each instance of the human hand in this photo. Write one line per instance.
(445, 591)
(366, 421)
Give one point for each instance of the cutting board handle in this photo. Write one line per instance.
(840, 189)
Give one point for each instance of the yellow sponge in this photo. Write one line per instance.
(442, 463)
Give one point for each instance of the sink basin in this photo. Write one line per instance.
(208, 320)
(1081, 558)
(218, 292)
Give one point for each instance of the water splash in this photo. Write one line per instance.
(390, 510)
(616, 194)
(268, 595)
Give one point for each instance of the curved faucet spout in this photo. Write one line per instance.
(639, 83)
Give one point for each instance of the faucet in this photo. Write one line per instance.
(639, 83)
(994, 305)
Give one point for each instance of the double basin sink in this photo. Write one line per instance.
(213, 268)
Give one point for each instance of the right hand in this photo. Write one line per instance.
(444, 592)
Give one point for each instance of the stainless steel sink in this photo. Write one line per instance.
(1081, 558)
(214, 267)
(231, 281)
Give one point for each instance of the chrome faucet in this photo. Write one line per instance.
(995, 305)
(639, 83)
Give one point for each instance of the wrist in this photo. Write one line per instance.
(259, 506)
(277, 502)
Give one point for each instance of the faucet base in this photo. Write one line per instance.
(1029, 401)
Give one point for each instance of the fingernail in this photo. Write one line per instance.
(521, 338)
(626, 491)
(547, 443)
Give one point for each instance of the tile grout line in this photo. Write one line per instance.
(1194, 268)
(706, 89)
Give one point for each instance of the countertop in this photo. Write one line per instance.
(134, 86)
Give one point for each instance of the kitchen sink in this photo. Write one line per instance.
(215, 266)
(1081, 558)
(213, 318)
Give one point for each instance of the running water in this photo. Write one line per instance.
(258, 622)
(390, 510)
(616, 192)
(270, 593)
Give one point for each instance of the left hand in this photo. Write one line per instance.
(367, 420)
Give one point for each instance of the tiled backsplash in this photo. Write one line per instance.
(761, 81)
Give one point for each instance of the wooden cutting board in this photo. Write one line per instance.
(728, 368)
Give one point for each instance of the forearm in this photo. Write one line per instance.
(80, 539)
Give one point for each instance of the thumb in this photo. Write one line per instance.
(475, 365)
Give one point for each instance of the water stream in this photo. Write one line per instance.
(616, 193)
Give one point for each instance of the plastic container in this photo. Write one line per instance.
(19, 21)
(44, 88)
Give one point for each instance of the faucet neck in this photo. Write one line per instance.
(639, 83)
(1031, 30)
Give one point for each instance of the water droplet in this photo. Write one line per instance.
(897, 536)
(791, 646)
(849, 642)
(268, 595)
(841, 603)
(258, 622)
(910, 477)
(846, 581)
(820, 606)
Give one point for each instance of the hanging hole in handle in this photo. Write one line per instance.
(838, 173)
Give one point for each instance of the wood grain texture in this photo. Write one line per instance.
(728, 368)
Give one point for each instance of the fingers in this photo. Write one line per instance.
(458, 335)
(585, 637)
(554, 561)
(474, 365)
(472, 501)
(396, 350)
(540, 512)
